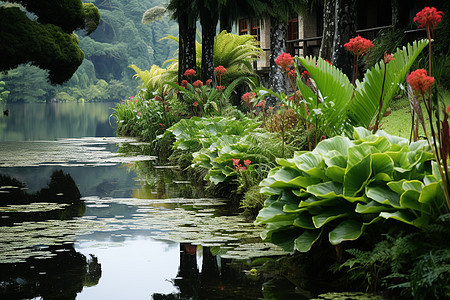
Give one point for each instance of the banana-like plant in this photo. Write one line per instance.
(344, 185)
(359, 105)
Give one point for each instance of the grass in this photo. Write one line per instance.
(399, 121)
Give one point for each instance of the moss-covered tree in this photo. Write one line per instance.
(41, 32)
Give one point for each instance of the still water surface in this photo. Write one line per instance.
(137, 230)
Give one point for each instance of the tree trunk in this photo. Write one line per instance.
(186, 51)
(278, 33)
(395, 14)
(225, 23)
(345, 29)
(326, 48)
(208, 20)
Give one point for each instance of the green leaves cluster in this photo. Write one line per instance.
(214, 142)
(345, 185)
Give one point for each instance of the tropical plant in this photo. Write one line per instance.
(343, 186)
(416, 263)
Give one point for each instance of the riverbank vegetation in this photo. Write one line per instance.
(314, 165)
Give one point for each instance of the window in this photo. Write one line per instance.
(243, 27)
(255, 29)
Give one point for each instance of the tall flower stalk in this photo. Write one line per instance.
(358, 46)
(421, 82)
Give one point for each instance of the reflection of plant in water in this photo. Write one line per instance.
(62, 275)
(60, 200)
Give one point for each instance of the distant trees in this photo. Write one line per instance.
(48, 41)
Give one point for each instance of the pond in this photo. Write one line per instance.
(87, 215)
(80, 220)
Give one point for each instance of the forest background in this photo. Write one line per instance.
(119, 41)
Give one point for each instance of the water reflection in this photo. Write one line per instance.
(214, 278)
(59, 277)
(61, 200)
(49, 121)
(33, 267)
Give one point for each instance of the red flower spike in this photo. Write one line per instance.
(428, 17)
(190, 73)
(292, 74)
(387, 58)
(220, 71)
(285, 60)
(358, 45)
(419, 81)
(198, 84)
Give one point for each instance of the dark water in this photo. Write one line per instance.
(80, 220)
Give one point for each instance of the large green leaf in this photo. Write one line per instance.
(364, 106)
(327, 189)
(334, 87)
(383, 195)
(330, 214)
(357, 176)
(305, 241)
(337, 143)
(345, 231)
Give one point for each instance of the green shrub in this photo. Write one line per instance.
(343, 186)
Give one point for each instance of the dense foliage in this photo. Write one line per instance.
(120, 40)
(48, 41)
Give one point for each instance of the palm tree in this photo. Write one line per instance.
(185, 13)
(280, 12)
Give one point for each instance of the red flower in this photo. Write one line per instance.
(190, 73)
(247, 162)
(428, 17)
(387, 58)
(358, 45)
(220, 88)
(158, 98)
(248, 96)
(220, 71)
(419, 81)
(305, 74)
(184, 83)
(208, 82)
(261, 103)
(195, 104)
(292, 74)
(448, 109)
(235, 161)
(198, 84)
(284, 61)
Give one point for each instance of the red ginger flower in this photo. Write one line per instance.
(284, 61)
(190, 73)
(198, 84)
(248, 96)
(220, 88)
(208, 82)
(387, 58)
(220, 71)
(428, 17)
(292, 74)
(235, 161)
(358, 45)
(419, 81)
(184, 83)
